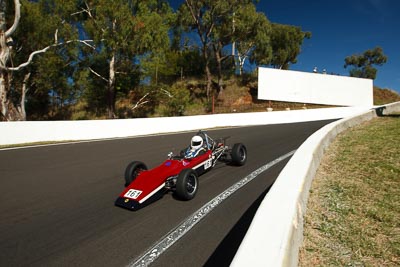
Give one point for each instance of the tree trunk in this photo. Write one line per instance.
(4, 53)
(207, 70)
(9, 111)
(24, 90)
(3, 95)
(241, 64)
(219, 69)
(111, 90)
(209, 82)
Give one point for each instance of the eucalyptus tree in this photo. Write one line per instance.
(38, 28)
(212, 22)
(218, 25)
(363, 64)
(160, 63)
(197, 16)
(286, 41)
(46, 80)
(252, 37)
(8, 109)
(123, 31)
(225, 20)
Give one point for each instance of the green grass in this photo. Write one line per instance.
(353, 212)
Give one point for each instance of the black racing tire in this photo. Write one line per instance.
(132, 171)
(187, 184)
(239, 154)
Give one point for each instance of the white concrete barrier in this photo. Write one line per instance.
(43, 131)
(276, 232)
(390, 108)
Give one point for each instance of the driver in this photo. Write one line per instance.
(196, 147)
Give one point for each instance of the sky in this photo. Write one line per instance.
(341, 28)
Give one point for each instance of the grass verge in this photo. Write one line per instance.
(353, 212)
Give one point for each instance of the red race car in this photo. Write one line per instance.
(178, 173)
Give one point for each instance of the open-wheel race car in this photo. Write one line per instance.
(179, 173)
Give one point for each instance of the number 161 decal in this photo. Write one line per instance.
(132, 193)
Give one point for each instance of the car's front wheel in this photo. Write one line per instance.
(187, 184)
(133, 170)
(239, 154)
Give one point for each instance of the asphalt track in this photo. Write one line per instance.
(56, 202)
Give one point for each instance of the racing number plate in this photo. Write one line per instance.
(207, 164)
(133, 193)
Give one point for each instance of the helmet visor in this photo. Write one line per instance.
(196, 143)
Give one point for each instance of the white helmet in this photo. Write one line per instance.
(197, 142)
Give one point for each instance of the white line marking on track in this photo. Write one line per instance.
(174, 235)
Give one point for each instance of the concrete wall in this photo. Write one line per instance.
(41, 131)
(307, 87)
(276, 232)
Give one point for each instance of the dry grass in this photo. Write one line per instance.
(353, 212)
(385, 96)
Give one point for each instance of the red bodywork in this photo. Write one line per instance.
(149, 182)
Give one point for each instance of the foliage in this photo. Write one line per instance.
(363, 64)
(42, 23)
(123, 31)
(191, 63)
(177, 101)
(252, 36)
(161, 67)
(139, 50)
(286, 41)
(214, 24)
(197, 17)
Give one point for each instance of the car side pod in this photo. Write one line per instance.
(127, 203)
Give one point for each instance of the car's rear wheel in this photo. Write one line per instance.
(239, 154)
(187, 184)
(133, 170)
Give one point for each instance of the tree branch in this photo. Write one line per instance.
(140, 102)
(17, 16)
(30, 59)
(167, 93)
(98, 75)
